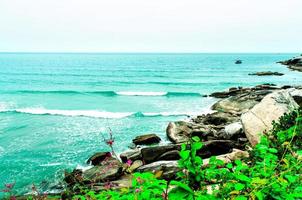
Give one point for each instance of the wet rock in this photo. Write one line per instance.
(267, 73)
(108, 170)
(167, 169)
(98, 157)
(132, 155)
(146, 139)
(259, 119)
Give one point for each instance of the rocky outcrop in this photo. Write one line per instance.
(146, 139)
(259, 119)
(233, 129)
(294, 63)
(98, 157)
(108, 170)
(267, 73)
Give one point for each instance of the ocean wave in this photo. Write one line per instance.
(110, 93)
(98, 114)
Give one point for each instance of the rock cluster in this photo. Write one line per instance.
(238, 118)
(294, 63)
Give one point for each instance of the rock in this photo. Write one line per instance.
(146, 139)
(204, 126)
(167, 168)
(132, 155)
(152, 154)
(294, 63)
(170, 155)
(233, 129)
(108, 170)
(178, 132)
(98, 157)
(267, 73)
(74, 177)
(259, 119)
(236, 154)
(238, 62)
(124, 181)
(136, 164)
(216, 147)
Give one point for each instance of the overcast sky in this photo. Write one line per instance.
(151, 25)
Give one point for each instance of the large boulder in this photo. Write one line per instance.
(259, 119)
(108, 170)
(146, 139)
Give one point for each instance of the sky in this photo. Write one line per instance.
(150, 26)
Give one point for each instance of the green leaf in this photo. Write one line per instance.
(243, 178)
(185, 154)
(196, 145)
(196, 139)
(240, 198)
(259, 195)
(239, 186)
(182, 185)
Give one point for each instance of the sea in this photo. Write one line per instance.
(57, 108)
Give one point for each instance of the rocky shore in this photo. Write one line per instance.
(238, 117)
(293, 64)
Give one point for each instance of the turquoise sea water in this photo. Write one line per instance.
(54, 106)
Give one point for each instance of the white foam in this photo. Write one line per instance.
(142, 93)
(73, 113)
(50, 164)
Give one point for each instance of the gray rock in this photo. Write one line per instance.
(233, 129)
(132, 155)
(259, 119)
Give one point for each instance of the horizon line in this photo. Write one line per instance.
(134, 52)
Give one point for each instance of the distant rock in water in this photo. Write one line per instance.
(267, 73)
(294, 63)
(238, 62)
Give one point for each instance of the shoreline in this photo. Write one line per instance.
(223, 135)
